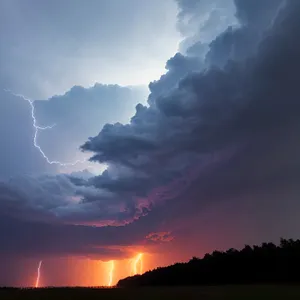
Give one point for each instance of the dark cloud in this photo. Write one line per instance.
(80, 112)
(178, 67)
(76, 115)
(238, 43)
(41, 240)
(73, 117)
(160, 237)
(185, 130)
(257, 13)
(203, 114)
(56, 199)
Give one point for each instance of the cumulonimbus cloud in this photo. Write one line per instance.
(200, 113)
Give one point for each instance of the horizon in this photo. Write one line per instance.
(132, 272)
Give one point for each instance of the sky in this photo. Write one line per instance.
(167, 128)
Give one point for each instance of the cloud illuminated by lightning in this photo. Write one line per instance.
(135, 262)
(37, 283)
(38, 128)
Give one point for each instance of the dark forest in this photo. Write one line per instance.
(264, 264)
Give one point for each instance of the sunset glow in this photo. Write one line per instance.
(76, 271)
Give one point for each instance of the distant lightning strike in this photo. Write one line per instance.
(136, 268)
(37, 129)
(111, 272)
(37, 283)
(137, 261)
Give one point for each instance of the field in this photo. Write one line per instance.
(202, 293)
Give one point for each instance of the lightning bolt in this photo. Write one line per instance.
(37, 282)
(135, 262)
(38, 128)
(111, 272)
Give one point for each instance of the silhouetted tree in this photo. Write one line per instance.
(267, 263)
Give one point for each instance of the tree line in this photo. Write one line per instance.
(267, 263)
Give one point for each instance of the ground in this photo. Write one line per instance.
(249, 292)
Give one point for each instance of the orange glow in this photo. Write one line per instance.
(135, 262)
(37, 282)
(81, 271)
(111, 272)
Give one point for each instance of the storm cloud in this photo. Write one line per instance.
(205, 112)
(73, 116)
(80, 112)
